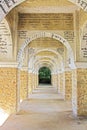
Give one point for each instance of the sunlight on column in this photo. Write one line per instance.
(3, 116)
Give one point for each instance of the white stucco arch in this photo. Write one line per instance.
(38, 64)
(49, 65)
(46, 58)
(47, 61)
(31, 60)
(50, 35)
(47, 49)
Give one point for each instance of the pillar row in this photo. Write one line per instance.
(37, 80)
(62, 83)
(54, 80)
(68, 85)
(34, 80)
(58, 82)
(30, 86)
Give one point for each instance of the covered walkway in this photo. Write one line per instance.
(44, 110)
(43, 41)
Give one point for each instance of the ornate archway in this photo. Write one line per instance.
(50, 35)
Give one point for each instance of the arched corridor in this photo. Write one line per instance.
(43, 64)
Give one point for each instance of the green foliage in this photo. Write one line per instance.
(44, 73)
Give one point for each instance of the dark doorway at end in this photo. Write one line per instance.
(44, 76)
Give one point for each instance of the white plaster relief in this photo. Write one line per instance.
(9, 64)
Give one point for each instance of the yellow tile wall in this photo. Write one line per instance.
(8, 89)
(23, 85)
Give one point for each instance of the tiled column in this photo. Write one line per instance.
(58, 82)
(54, 80)
(62, 83)
(79, 92)
(37, 80)
(68, 84)
(8, 89)
(33, 81)
(23, 84)
(30, 88)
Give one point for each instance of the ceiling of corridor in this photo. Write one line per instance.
(43, 33)
(6, 6)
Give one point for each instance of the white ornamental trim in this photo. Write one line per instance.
(8, 64)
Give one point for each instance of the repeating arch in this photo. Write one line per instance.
(44, 63)
(50, 35)
(43, 50)
(50, 61)
(38, 62)
(46, 58)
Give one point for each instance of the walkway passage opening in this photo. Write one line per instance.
(44, 75)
